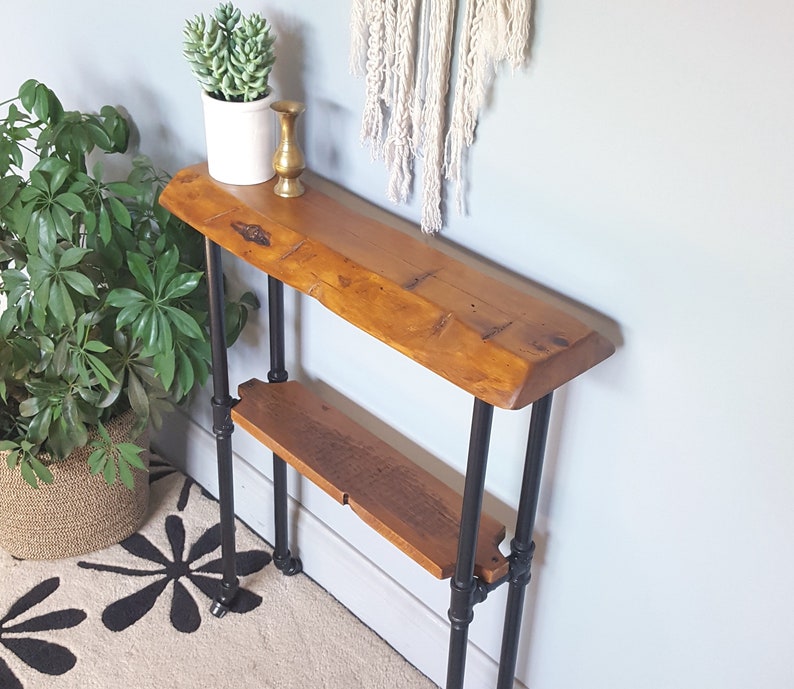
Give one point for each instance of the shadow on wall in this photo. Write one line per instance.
(288, 76)
(326, 123)
(153, 131)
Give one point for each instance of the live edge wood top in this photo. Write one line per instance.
(500, 344)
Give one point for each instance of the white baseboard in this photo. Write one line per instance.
(404, 621)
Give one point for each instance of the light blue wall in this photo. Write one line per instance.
(642, 164)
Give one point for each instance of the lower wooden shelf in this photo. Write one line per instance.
(401, 501)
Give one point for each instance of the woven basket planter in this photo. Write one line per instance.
(77, 513)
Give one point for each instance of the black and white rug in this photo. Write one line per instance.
(137, 614)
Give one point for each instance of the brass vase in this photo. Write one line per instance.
(288, 160)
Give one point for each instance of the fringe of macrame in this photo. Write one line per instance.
(439, 56)
(389, 48)
(373, 118)
(420, 70)
(398, 151)
(405, 48)
(359, 33)
(518, 14)
(468, 90)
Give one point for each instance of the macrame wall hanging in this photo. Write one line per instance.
(404, 48)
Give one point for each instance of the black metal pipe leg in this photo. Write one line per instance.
(464, 586)
(229, 582)
(282, 558)
(522, 547)
(275, 305)
(222, 427)
(285, 562)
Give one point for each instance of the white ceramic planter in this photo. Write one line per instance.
(241, 139)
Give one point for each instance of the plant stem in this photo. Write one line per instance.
(28, 149)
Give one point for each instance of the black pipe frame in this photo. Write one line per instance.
(222, 427)
(522, 547)
(282, 558)
(466, 589)
(464, 592)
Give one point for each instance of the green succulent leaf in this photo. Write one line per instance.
(231, 56)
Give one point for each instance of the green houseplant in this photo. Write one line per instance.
(105, 303)
(231, 57)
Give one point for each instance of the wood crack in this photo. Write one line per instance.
(292, 250)
(213, 218)
(442, 323)
(493, 332)
(415, 282)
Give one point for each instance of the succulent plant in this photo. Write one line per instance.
(230, 55)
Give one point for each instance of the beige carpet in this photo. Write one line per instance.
(136, 615)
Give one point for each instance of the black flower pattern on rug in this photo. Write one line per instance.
(46, 657)
(177, 569)
(159, 469)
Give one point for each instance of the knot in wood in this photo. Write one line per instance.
(251, 233)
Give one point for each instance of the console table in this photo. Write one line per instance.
(504, 347)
